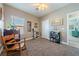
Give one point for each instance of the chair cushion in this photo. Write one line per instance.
(10, 45)
(9, 40)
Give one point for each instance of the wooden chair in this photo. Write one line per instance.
(12, 45)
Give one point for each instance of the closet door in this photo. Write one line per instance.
(45, 29)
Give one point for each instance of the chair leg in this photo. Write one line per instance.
(20, 49)
(20, 52)
(7, 53)
(25, 47)
(26, 50)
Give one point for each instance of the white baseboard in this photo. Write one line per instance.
(29, 38)
(73, 45)
(64, 43)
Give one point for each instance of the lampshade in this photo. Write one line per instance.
(41, 6)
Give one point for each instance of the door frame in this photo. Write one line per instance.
(68, 41)
(42, 28)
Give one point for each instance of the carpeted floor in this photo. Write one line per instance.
(43, 47)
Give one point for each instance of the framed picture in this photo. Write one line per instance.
(56, 21)
(29, 26)
(36, 25)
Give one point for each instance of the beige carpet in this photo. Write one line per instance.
(43, 47)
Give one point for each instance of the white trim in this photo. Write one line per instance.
(29, 38)
(70, 40)
(64, 43)
(76, 46)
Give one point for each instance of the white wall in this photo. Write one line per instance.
(62, 12)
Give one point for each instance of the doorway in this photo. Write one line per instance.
(73, 29)
(45, 29)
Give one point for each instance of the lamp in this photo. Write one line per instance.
(41, 6)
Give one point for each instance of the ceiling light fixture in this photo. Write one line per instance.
(41, 6)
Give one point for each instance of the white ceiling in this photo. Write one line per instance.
(30, 8)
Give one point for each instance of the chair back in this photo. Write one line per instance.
(7, 39)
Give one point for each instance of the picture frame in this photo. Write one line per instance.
(29, 26)
(57, 21)
(35, 25)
